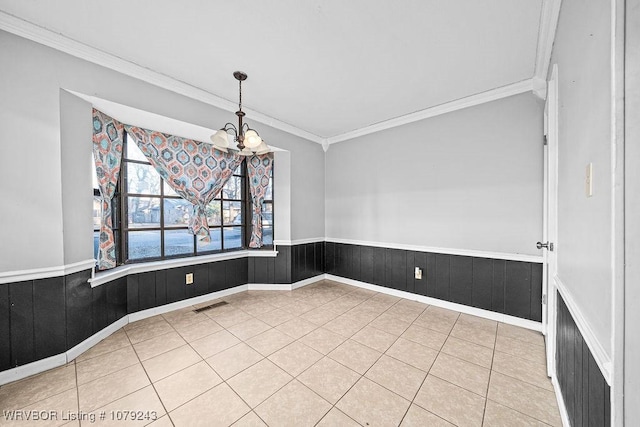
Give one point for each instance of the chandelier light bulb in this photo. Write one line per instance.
(220, 140)
(252, 139)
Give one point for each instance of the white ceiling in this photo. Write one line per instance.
(327, 67)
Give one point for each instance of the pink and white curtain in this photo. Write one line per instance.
(107, 153)
(193, 169)
(259, 170)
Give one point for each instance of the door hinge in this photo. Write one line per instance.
(544, 299)
(545, 140)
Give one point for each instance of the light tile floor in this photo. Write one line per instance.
(326, 354)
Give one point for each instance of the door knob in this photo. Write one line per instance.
(547, 245)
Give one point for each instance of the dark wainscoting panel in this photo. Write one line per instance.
(293, 263)
(5, 328)
(22, 325)
(49, 317)
(155, 288)
(78, 301)
(508, 287)
(585, 392)
(44, 317)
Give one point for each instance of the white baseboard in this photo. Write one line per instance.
(561, 407)
(285, 287)
(268, 287)
(33, 368)
(94, 339)
(139, 315)
(603, 360)
(308, 281)
(499, 317)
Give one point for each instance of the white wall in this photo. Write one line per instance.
(470, 179)
(582, 51)
(632, 218)
(31, 218)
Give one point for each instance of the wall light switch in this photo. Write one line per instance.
(418, 274)
(189, 278)
(589, 180)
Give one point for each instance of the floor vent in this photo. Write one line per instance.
(209, 307)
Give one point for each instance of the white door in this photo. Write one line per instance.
(550, 219)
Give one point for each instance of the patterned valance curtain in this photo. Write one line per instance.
(193, 169)
(107, 152)
(259, 170)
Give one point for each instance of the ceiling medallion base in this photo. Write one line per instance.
(240, 76)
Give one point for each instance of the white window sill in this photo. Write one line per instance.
(124, 270)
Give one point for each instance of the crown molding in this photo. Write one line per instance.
(30, 31)
(540, 88)
(448, 107)
(546, 36)
(41, 35)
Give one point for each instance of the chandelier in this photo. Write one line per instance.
(249, 142)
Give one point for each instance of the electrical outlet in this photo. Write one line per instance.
(188, 278)
(418, 273)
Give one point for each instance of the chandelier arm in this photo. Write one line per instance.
(230, 127)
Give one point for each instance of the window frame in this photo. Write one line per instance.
(122, 228)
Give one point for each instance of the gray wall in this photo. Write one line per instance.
(77, 192)
(31, 179)
(632, 218)
(582, 51)
(471, 179)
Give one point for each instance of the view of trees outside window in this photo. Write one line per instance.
(152, 220)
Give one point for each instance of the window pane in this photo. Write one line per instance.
(97, 213)
(96, 244)
(178, 242)
(233, 188)
(177, 212)
(144, 212)
(232, 213)
(214, 245)
(269, 193)
(214, 213)
(238, 170)
(144, 244)
(133, 151)
(267, 214)
(142, 179)
(232, 237)
(96, 186)
(168, 191)
(267, 235)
